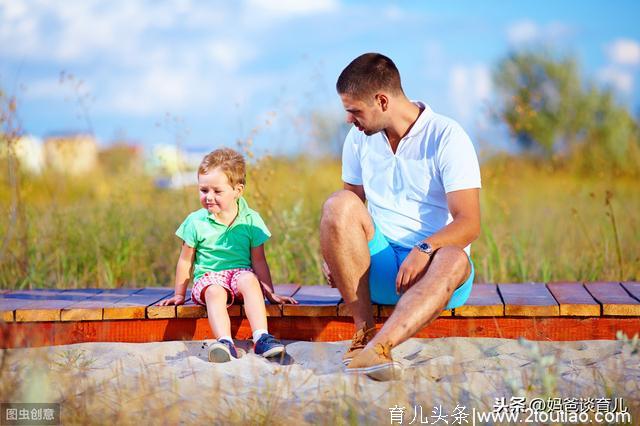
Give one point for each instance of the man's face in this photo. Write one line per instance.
(366, 116)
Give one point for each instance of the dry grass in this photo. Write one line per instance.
(117, 229)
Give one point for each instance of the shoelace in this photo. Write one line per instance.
(268, 339)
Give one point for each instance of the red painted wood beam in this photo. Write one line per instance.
(31, 334)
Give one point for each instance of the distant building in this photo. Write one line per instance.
(28, 151)
(166, 160)
(73, 154)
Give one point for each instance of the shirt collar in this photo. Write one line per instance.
(422, 120)
(243, 211)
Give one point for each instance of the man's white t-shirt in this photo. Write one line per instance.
(406, 191)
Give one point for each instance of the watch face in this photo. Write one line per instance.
(424, 247)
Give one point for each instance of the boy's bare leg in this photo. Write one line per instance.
(216, 299)
(345, 229)
(427, 298)
(254, 308)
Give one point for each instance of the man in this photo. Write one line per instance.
(419, 172)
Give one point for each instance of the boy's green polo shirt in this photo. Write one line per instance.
(220, 247)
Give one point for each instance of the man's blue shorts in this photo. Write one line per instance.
(386, 258)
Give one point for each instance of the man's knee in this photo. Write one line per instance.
(456, 260)
(339, 207)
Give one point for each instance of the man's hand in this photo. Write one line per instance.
(280, 300)
(413, 267)
(327, 274)
(175, 300)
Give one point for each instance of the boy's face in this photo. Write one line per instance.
(216, 193)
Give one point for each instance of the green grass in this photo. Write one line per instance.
(117, 229)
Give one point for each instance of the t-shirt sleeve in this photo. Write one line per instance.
(351, 169)
(187, 232)
(458, 162)
(259, 231)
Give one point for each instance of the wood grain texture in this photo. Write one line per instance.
(574, 299)
(484, 301)
(31, 334)
(614, 299)
(314, 301)
(633, 288)
(528, 299)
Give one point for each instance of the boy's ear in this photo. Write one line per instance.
(240, 188)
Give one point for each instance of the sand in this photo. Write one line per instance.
(172, 382)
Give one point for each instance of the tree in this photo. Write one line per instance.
(552, 113)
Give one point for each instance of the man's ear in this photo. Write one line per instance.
(383, 101)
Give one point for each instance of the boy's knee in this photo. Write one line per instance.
(214, 293)
(247, 281)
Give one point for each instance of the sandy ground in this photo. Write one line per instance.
(172, 382)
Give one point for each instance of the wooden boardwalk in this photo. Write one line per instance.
(536, 311)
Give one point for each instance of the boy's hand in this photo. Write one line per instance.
(280, 300)
(327, 274)
(175, 300)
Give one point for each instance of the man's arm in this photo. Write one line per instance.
(356, 189)
(464, 206)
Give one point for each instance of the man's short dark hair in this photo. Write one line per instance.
(368, 74)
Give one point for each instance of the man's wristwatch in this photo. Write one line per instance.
(424, 247)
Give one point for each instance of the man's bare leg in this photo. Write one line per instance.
(345, 229)
(427, 298)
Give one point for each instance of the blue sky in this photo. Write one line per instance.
(210, 73)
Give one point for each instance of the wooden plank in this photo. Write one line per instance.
(344, 312)
(8, 307)
(162, 312)
(25, 334)
(528, 299)
(191, 310)
(135, 305)
(91, 309)
(484, 301)
(633, 288)
(614, 299)
(316, 300)
(45, 305)
(385, 311)
(574, 299)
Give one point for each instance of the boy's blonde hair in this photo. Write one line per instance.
(230, 162)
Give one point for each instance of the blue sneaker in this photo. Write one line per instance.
(268, 346)
(222, 351)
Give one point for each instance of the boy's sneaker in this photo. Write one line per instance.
(268, 346)
(222, 351)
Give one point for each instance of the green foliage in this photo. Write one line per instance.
(556, 115)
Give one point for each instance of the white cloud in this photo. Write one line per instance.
(288, 8)
(522, 32)
(230, 54)
(620, 79)
(624, 52)
(527, 31)
(469, 86)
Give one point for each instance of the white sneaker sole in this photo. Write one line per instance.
(381, 372)
(278, 350)
(220, 353)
